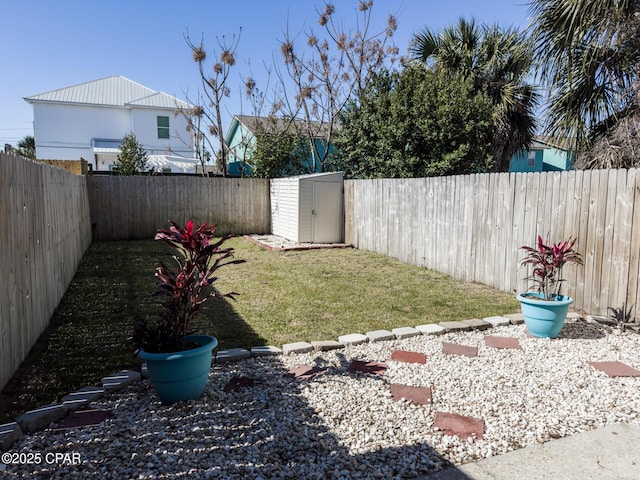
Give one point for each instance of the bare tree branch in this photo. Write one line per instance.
(215, 89)
(326, 73)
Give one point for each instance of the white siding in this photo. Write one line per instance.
(145, 126)
(307, 208)
(64, 132)
(103, 161)
(284, 208)
(67, 120)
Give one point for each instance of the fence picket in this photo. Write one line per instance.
(472, 226)
(45, 230)
(135, 207)
(633, 284)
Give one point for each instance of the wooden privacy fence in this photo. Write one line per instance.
(46, 220)
(44, 231)
(471, 227)
(124, 208)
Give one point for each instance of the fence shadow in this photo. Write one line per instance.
(265, 431)
(88, 334)
(217, 317)
(220, 319)
(582, 330)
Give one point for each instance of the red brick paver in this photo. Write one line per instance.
(367, 367)
(459, 425)
(419, 395)
(84, 418)
(408, 357)
(238, 383)
(455, 349)
(616, 369)
(304, 372)
(502, 342)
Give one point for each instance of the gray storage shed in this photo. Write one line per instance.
(308, 208)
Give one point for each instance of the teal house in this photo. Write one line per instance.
(542, 156)
(242, 137)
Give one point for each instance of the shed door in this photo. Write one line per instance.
(327, 212)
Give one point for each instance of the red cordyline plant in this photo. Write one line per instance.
(547, 261)
(187, 287)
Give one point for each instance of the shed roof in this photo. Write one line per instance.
(321, 175)
(116, 91)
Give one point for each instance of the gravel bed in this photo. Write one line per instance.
(345, 425)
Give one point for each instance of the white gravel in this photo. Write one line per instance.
(345, 425)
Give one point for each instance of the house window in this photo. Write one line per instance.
(531, 159)
(163, 127)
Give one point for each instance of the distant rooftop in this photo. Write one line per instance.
(273, 124)
(112, 91)
(541, 141)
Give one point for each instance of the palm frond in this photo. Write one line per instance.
(588, 54)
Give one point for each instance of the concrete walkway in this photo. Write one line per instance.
(608, 453)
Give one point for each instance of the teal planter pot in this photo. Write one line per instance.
(544, 318)
(181, 375)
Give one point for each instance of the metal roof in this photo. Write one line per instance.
(111, 91)
(275, 125)
(159, 99)
(541, 142)
(106, 145)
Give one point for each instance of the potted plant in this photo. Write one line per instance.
(545, 310)
(178, 362)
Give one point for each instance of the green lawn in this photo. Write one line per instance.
(283, 297)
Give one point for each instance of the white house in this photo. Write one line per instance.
(89, 120)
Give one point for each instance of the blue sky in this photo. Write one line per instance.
(45, 45)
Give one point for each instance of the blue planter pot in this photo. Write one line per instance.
(181, 375)
(544, 318)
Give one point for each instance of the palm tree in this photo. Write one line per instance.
(589, 53)
(498, 61)
(27, 147)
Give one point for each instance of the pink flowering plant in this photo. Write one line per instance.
(548, 261)
(187, 286)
